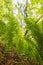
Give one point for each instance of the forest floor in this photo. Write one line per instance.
(12, 58)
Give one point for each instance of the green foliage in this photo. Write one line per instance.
(13, 35)
(36, 35)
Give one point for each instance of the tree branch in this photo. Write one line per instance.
(39, 19)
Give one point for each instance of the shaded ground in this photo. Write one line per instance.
(12, 58)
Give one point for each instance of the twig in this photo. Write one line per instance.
(39, 19)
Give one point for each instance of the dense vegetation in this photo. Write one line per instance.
(21, 32)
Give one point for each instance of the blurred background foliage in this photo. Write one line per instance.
(21, 27)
